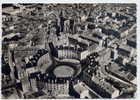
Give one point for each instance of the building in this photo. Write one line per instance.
(132, 42)
(66, 52)
(120, 72)
(104, 56)
(89, 38)
(24, 79)
(56, 87)
(82, 91)
(6, 17)
(126, 52)
(99, 85)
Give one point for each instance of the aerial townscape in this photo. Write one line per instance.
(61, 51)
